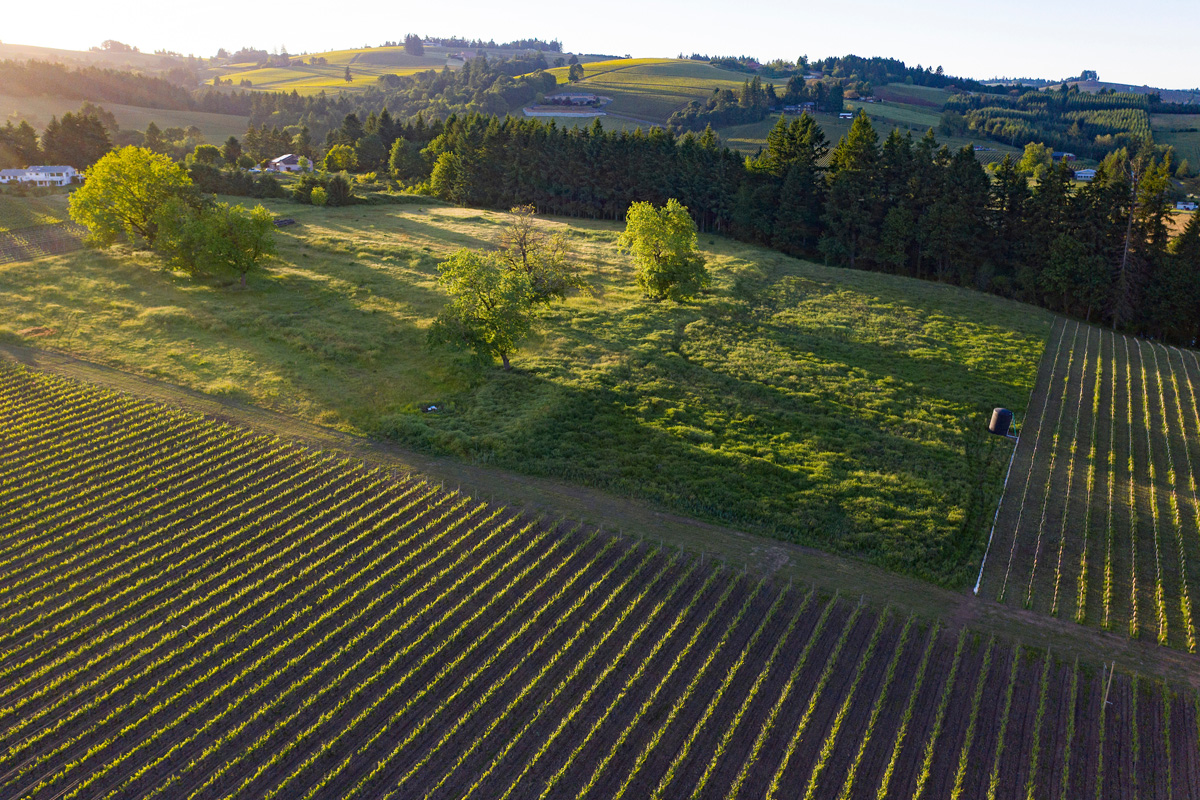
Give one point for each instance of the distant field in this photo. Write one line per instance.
(24, 212)
(39, 110)
(652, 88)
(366, 65)
(902, 115)
(1181, 131)
(609, 122)
(924, 96)
(76, 58)
(750, 138)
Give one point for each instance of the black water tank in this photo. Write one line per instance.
(1001, 421)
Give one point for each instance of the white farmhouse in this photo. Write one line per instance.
(1085, 174)
(288, 163)
(1186, 205)
(40, 175)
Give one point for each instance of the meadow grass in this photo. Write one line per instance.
(839, 409)
(24, 212)
(38, 111)
(366, 65)
(1181, 131)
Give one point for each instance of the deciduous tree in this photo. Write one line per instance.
(124, 192)
(662, 242)
(491, 310)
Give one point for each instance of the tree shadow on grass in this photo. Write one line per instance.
(704, 441)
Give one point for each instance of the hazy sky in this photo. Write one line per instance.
(1155, 42)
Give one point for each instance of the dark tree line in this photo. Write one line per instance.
(75, 139)
(905, 206)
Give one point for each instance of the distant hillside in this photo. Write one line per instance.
(114, 59)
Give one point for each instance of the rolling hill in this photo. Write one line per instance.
(650, 89)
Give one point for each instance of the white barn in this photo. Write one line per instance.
(1085, 174)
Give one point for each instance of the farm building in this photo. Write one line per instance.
(1059, 155)
(1186, 205)
(1085, 174)
(802, 108)
(846, 115)
(40, 175)
(289, 163)
(572, 99)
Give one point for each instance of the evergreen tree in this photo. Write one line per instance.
(18, 146)
(231, 151)
(152, 139)
(850, 210)
(79, 140)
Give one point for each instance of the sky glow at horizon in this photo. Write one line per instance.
(1024, 39)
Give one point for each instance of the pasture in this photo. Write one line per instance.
(38, 111)
(651, 89)
(1100, 520)
(1181, 131)
(827, 407)
(366, 65)
(191, 610)
(25, 212)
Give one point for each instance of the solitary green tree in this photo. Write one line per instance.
(124, 192)
(575, 73)
(663, 244)
(491, 309)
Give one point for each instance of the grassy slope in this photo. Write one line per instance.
(834, 408)
(366, 65)
(1169, 129)
(651, 88)
(38, 110)
(23, 212)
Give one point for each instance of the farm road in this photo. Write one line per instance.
(782, 560)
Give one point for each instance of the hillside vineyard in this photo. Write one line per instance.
(190, 610)
(1100, 520)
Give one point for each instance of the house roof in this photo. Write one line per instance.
(288, 158)
(54, 168)
(11, 173)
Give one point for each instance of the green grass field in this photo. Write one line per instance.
(1181, 131)
(753, 137)
(39, 110)
(24, 212)
(652, 88)
(839, 409)
(366, 65)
